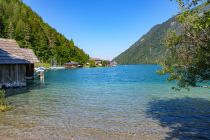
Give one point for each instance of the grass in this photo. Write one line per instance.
(4, 106)
(45, 65)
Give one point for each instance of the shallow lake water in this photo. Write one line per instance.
(117, 103)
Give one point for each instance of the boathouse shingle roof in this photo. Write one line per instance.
(95, 59)
(72, 63)
(29, 55)
(11, 53)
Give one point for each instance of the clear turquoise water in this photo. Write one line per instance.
(123, 102)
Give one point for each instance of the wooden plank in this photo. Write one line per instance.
(13, 75)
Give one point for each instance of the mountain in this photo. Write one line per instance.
(19, 22)
(148, 49)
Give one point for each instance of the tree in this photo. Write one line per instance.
(1, 25)
(27, 36)
(19, 22)
(188, 61)
(104, 63)
(10, 31)
(92, 63)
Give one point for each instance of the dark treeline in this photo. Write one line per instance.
(19, 22)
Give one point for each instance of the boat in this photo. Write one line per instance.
(40, 69)
(57, 68)
(113, 64)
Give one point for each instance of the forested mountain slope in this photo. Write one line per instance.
(19, 22)
(148, 49)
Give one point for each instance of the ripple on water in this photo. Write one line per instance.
(124, 102)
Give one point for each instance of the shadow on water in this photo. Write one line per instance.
(31, 85)
(187, 118)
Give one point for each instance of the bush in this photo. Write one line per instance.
(92, 63)
(4, 106)
(45, 65)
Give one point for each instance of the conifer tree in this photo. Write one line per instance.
(10, 31)
(19, 22)
(27, 36)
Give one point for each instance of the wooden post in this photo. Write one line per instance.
(42, 75)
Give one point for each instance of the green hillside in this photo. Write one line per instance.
(19, 22)
(148, 49)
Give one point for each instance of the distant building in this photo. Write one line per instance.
(16, 64)
(72, 64)
(98, 61)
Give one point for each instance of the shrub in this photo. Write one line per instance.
(4, 106)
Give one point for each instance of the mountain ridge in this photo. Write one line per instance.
(18, 21)
(148, 49)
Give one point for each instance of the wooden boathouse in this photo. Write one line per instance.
(72, 65)
(16, 64)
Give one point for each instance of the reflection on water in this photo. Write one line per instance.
(124, 102)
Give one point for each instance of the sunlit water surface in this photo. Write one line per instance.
(123, 102)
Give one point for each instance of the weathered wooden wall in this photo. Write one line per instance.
(12, 75)
(30, 71)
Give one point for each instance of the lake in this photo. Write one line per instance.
(117, 103)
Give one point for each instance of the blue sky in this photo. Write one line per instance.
(103, 28)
